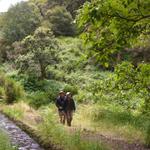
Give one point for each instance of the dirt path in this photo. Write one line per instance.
(113, 143)
(17, 136)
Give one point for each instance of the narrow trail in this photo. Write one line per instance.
(18, 137)
(114, 143)
(111, 142)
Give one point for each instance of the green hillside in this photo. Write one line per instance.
(98, 51)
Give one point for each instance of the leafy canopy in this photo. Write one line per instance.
(20, 20)
(37, 52)
(61, 21)
(109, 26)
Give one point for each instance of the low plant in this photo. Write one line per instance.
(14, 112)
(5, 142)
(38, 99)
(72, 89)
(13, 91)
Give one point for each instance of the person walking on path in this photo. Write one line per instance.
(60, 104)
(69, 107)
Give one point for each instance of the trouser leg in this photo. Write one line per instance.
(69, 117)
(62, 117)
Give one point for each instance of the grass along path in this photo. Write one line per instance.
(5, 142)
(49, 130)
(85, 130)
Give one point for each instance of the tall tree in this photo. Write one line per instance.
(61, 21)
(37, 52)
(20, 20)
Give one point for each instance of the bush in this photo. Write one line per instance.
(81, 97)
(29, 83)
(143, 85)
(126, 74)
(13, 91)
(56, 74)
(38, 99)
(72, 89)
(51, 88)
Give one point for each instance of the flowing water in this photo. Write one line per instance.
(18, 137)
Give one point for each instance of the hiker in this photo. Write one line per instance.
(69, 108)
(60, 104)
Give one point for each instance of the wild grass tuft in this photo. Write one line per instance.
(50, 130)
(110, 120)
(4, 142)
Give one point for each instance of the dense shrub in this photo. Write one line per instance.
(143, 85)
(38, 99)
(55, 74)
(72, 89)
(128, 86)
(45, 92)
(30, 83)
(13, 91)
(33, 84)
(135, 80)
(125, 75)
(84, 96)
(52, 89)
(61, 21)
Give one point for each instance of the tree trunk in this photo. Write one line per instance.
(43, 71)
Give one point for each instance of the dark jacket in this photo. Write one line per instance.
(70, 105)
(60, 103)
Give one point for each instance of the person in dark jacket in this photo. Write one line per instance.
(69, 108)
(60, 104)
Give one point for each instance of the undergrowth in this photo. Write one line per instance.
(4, 142)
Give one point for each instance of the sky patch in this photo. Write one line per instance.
(5, 4)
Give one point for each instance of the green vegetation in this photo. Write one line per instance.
(59, 18)
(112, 26)
(109, 76)
(10, 91)
(48, 128)
(37, 52)
(15, 29)
(67, 141)
(4, 143)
